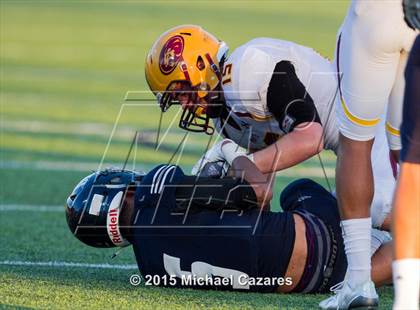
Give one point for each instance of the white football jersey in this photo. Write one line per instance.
(246, 77)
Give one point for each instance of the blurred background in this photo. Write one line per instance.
(66, 67)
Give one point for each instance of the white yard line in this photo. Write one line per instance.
(59, 165)
(96, 129)
(309, 172)
(35, 208)
(50, 165)
(56, 264)
(122, 132)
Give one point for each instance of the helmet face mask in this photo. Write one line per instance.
(197, 104)
(184, 67)
(193, 119)
(175, 90)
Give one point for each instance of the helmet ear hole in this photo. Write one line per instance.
(200, 63)
(115, 180)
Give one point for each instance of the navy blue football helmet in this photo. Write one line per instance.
(93, 208)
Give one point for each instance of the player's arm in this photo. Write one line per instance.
(302, 143)
(216, 193)
(262, 184)
(242, 167)
(294, 109)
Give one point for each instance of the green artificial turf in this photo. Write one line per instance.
(65, 69)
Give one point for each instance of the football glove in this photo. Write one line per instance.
(212, 162)
(217, 160)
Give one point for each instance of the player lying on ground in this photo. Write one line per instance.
(270, 96)
(189, 227)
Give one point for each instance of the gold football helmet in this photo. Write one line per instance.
(187, 59)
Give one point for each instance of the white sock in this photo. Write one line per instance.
(406, 275)
(357, 242)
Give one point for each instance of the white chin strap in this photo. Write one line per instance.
(112, 225)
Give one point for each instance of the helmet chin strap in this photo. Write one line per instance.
(117, 252)
(190, 119)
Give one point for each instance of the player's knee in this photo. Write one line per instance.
(289, 198)
(354, 128)
(394, 139)
(354, 148)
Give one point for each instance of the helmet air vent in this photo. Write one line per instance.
(200, 63)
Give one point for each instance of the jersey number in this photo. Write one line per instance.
(201, 269)
(227, 74)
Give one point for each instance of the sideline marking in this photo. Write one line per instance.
(56, 264)
(36, 208)
(312, 171)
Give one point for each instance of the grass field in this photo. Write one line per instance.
(65, 71)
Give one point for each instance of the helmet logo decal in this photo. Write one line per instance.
(112, 225)
(171, 54)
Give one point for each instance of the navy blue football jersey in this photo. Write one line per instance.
(203, 243)
(410, 126)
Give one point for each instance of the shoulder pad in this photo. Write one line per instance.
(160, 181)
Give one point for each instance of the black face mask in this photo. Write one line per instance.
(192, 121)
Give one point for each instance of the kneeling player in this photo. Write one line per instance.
(274, 98)
(185, 228)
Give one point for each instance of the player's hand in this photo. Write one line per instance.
(212, 158)
(218, 159)
(261, 184)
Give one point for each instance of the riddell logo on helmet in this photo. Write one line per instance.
(171, 54)
(113, 230)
